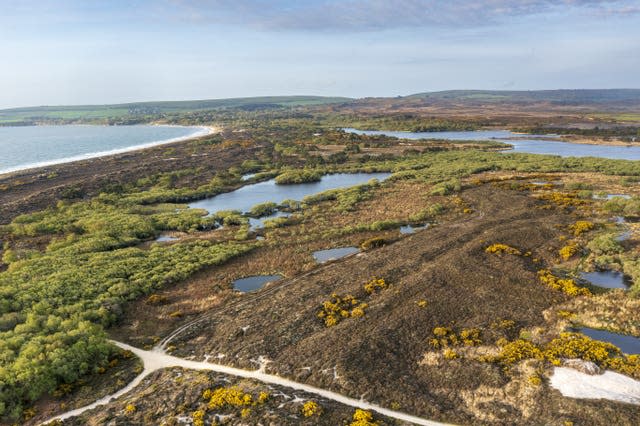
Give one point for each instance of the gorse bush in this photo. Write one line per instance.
(228, 398)
(499, 248)
(566, 285)
(310, 409)
(581, 226)
(568, 251)
(341, 307)
(568, 346)
(363, 418)
(375, 285)
(445, 337)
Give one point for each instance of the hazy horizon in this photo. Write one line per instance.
(93, 53)
(306, 94)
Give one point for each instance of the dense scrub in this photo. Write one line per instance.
(55, 303)
(298, 176)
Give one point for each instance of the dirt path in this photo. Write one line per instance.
(155, 359)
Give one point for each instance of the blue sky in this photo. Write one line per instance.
(89, 51)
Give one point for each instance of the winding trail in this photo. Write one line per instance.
(155, 360)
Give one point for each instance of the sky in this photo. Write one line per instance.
(65, 52)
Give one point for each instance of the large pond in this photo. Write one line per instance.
(627, 344)
(34, 146)
(521, 143)
(248, 196)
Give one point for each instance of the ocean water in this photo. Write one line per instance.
(34, 146)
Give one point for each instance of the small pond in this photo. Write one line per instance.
(619, 220)
(410, 229)
(624, 236)
(166, 239)
(627, 344)
(254, 282)
(611, 196)
(244, 198)
(322, 256)
(606, 279)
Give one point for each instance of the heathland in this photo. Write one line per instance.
(463, 321)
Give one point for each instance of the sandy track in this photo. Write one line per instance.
(155, 359)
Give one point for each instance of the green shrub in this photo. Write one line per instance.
(382, 225)
(447, 188)
(605, 245)
(298, 176)
(577, 186)
(263, 209)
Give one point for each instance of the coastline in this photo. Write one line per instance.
(203, 131)
(28, 190)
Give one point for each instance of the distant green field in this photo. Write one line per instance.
(571, 97)
(105, 112)
(635, 117)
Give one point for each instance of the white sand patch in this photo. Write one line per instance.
(612, 386)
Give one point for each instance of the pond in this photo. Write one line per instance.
(166, 238)
(410, 229)
(606, 279)
(628, 344)
(257, 223)
(244, 198)
(322, 256)
(254, 282)
(532, 144)
(611, 196)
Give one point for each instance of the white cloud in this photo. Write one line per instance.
(366, 15)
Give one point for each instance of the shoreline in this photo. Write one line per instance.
(551, 137)
(586, 141)
(203, 131)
